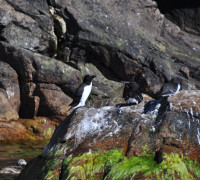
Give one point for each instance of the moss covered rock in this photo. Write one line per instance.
(118, 143)
(114, 165)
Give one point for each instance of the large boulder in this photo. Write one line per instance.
(9, 92)
(33, 69)
(53, 101)
(28, 25)
(90, 130)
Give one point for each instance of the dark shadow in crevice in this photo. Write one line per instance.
(185, 14)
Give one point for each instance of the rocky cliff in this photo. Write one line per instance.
(47, 46)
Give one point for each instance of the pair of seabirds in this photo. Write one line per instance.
(132, 96)
(83, 91)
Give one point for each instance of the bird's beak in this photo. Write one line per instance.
(93, 76)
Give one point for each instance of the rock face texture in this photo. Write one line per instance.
(28, 25)
(99, 130)
(10, 92)
(46, 47)
(184, 14)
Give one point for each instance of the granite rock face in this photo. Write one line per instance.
(127, 129)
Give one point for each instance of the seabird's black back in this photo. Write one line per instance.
(168, 89)
(78, 95)
(172, 87)
(131, 94)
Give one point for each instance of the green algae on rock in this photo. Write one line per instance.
(115, 165)
(174, 166)
(92, 165)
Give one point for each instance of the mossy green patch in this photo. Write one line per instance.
(114, 165)
(129, 168)
(49, 131)
(59, 152)
(51, 169)
(193, 166)
(173, 167)
(90, 165)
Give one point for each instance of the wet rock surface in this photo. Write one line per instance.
(128, 129)
(23, 130)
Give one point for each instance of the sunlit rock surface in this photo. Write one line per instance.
(89, 130)
(9, 93)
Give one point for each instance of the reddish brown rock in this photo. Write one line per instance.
(23, 130)
(187, 101)
(53, 101)
(11, 131)
(7, 112)
(39, 128)
(9, 93)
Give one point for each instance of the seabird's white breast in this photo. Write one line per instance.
(132, 100)
(86, 92)
(178, 88)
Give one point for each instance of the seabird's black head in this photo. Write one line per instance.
(177, 80)
(88, 78)
(132, 85)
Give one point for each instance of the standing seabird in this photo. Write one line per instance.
(169, 89)
(131, 95)
(82, 92)
(161, 106)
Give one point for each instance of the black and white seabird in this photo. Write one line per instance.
(172, 87)
(161, 106)
(169, 89)
(131, 95)
(82, 92)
